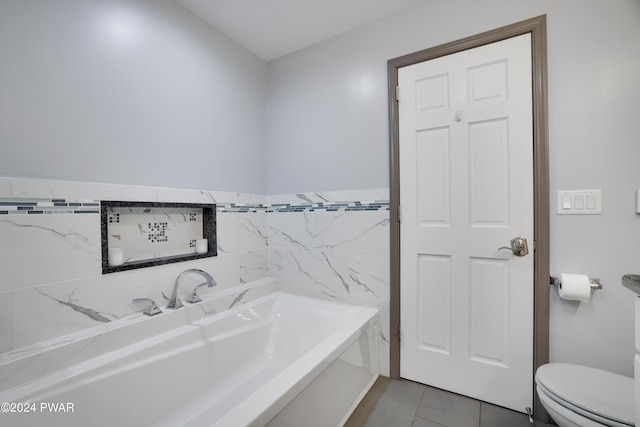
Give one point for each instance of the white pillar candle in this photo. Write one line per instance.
(116, 256)
(202, 246)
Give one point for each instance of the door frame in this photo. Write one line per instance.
(537, 27)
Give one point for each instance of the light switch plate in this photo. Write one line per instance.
(579, 202)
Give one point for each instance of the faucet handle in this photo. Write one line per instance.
(152, 308)
(194, 295)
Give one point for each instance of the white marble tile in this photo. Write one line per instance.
(341, 253)
(6, 321)
(254, 265)
(303, 270)
(46, 312)
(40, 249)
(225, 269)
(276, 259)
(54, 310)
(24, 188)
(291, 230)
(364, 232)
(368, 274)
(374, 194)
(362, 195)
(36, 188)
(42, 314)
(241, 232)
(358, 275)
(49, 311)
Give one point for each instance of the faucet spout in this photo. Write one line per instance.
(175, 301)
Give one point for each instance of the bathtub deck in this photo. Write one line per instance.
(402, 403)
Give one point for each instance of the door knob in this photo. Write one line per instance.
(519, 246)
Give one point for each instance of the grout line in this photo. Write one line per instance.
(415, 413)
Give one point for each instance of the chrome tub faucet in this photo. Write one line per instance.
(152, 308)
(175, 301)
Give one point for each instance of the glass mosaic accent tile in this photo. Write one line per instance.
(48, 206)
(307, 207)
(64, 206)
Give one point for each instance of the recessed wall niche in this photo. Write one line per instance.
(145, 234)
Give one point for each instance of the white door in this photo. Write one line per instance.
(466, 189)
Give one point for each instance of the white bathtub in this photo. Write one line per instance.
(280, 360)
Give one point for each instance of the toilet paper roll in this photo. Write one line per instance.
(575, 287)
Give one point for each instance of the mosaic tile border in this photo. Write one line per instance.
(66, 206)
(48, 206)
(307, 207)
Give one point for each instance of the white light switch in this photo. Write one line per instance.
(579, 202)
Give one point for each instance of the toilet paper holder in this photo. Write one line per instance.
(595, 282)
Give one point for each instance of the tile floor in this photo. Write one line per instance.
(402, 403)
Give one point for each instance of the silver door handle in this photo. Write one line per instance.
(519, 246)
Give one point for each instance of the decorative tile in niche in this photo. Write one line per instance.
(158, 232)
(142, 234)
(114, 217)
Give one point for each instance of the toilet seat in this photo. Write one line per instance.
(602, 396)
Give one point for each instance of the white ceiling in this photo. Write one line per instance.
(272, 28)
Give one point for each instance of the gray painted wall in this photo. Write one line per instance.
(327, 129)
(132, 92)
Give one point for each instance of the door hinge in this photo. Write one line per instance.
(397, 93)
(399, 333)
(399, 214)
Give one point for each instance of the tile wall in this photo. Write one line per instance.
(51, 283)
(332, 245)
(335, 246)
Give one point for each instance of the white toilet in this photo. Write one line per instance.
(580, 396)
